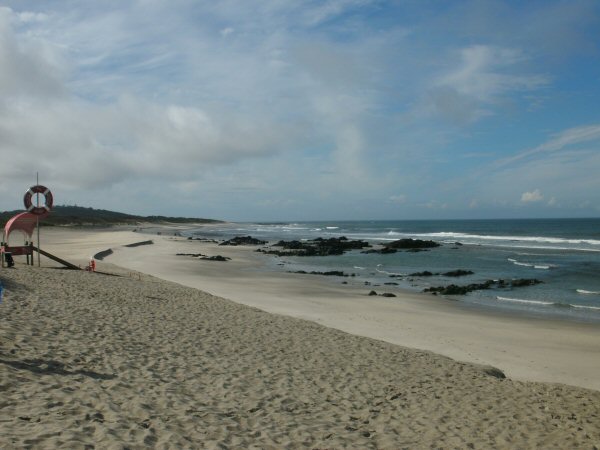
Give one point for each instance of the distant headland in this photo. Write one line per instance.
(79, 215)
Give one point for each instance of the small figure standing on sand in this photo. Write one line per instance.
(91, 267)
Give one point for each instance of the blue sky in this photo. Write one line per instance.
(304, 110)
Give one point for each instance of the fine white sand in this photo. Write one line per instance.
(133, 361)
(524, 348)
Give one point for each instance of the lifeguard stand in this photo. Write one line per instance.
(24, 222)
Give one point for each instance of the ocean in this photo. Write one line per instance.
(562, 253)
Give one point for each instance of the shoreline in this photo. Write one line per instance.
(525, 348)
(124, 359)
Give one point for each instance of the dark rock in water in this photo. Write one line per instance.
(458, 244)
(317, 247)
(494, 372)
(290, 245)
(411, 244)
(372, 293)
(391, 284)
(215, 258)
(458, 273)
(388, 294)
(243, 240)
(521, 282)
(454, 289)
(195, 255)
(380, 251)
(426, 273)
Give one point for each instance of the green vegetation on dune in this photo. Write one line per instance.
(78, 215)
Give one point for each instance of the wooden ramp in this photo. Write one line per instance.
(56, 258)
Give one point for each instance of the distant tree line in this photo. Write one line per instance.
(79, 215)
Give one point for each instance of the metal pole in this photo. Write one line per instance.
(37, 218)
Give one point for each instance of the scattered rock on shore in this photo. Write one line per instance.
(137, 244)
(191, 238)
(103, 254)
(215, 258)
(335, 273)
(204, 257)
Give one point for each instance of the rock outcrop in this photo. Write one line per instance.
(243, 240)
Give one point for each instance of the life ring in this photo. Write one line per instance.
(48, 199)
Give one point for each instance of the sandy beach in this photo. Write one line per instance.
(167, 351)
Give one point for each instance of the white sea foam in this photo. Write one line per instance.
(520, 300)
(542, 303)
(333, 228)
(385, 272)
(583, 291)
(482, 238)
(595, 308)
(359, 268)
(535, 266)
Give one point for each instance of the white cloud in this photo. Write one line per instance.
(479, 74)
(559, 142)
(399, 199)
(484, 74)
(226, 31)
(29, 67)
(533, 196)
(328, 9)
(327, 103)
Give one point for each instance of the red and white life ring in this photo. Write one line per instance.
(42, 209)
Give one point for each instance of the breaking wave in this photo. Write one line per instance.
(583, 291)
(535, 266)
(542, 303)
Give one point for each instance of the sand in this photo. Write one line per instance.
(134, 361)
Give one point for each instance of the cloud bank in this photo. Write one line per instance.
(300, 110)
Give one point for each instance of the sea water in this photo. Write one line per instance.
(562, 253)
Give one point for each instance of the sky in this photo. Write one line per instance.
(290, 110)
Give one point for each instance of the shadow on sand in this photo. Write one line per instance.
(50, 367)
